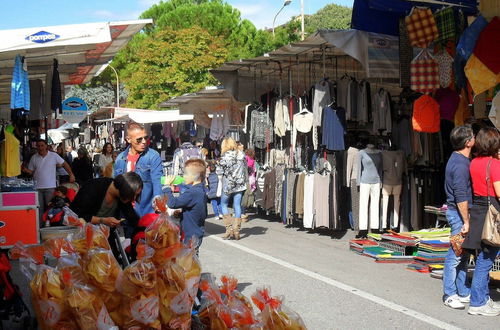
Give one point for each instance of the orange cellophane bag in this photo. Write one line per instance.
(274, 315)
(214, 314)
(101, 269)
(138, 285)
(89, 237)
(87, 307)
(241, 308)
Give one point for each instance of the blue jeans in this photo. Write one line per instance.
(455, 268)
(216, 206)
(224, 203)
(480, 292)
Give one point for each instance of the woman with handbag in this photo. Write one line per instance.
(485, 175)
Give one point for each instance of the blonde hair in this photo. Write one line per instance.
(228, 144)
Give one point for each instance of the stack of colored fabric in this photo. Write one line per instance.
(357, 245)
(383, 255)
(430, 253)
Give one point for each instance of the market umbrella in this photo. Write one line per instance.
(56, 96)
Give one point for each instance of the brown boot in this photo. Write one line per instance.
(244, 218)
(228, 222)
(236, 228)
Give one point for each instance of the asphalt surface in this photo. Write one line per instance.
(329, 286)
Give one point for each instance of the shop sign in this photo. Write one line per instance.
(42, 37)
(74, 110)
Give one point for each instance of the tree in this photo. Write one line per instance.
(94, 96)
(331, 16)
(171, 63)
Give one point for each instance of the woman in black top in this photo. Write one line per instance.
(82, 167)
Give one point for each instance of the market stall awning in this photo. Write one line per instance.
(82, 50)
(209, 101)
(327, 53)
(114, 114)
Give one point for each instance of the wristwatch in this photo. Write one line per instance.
(101, 220)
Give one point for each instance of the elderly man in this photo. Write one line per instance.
(144, 161)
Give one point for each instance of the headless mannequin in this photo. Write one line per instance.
(370, 182)
(394, 165)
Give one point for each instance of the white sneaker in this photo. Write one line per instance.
(464, 300)
(494, 305)
(454, 302)
(485, 310)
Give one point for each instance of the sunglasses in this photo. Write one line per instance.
(144, 138)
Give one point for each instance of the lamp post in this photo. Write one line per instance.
(117, 86)
(285, 3)
(302, 21)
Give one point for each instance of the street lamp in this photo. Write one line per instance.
(285, 3)
(117, 86)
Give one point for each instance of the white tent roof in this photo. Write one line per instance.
(138, 115)
(82, 50)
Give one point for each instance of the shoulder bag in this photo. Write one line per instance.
(491, 227)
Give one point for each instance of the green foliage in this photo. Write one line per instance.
(171, 63)
(331, 16)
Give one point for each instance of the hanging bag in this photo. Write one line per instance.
(491, 227)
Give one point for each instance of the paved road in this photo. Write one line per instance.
(329, 286)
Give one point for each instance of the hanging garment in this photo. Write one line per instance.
(421, 26)
(20, 86)
(280, 177)
(369, 206)
(352, 165)
(261, 130)
(290, 188)
(364, 102)
(424, 73)
(281, 117)
(463, 111)
(445, 22)
(355, 204)
(488, 46)
(405, 55)
(320, 203)
(9, 156)
(489, 8)
(303, 123)
(352, 99)
(269, 190)
(448, 101)
(334, 128)
(299, 195)
(382, 119)
(400, 137)
(426, 116)
(309, 200)
(445, 63)
(469, 37)
(321, 99)
(277, 157)
(480, 77)
(342, 86)
(333, 201)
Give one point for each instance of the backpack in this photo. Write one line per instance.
(187, 153)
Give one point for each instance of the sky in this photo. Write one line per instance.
(16, 14)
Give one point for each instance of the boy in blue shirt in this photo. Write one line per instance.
(193, 201)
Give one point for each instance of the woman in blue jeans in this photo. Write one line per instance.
(485, 175)
(232, 168)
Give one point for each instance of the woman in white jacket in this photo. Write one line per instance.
(232, 169)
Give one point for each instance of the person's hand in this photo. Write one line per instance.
(169, 180)
(110, 222)
(465, 229)
(71, 178)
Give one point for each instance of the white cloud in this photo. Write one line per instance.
(250, 10)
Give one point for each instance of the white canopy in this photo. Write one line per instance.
(141, 116)
(82, 51)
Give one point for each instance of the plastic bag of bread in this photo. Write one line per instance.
(69, 261)
(86, 306)
(46, 288)
(161, 235)
(101, 269)
(138, 285)
(274, 315)
(188, 260)
(214, 313)
(90, 236)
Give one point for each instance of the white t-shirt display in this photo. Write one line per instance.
(45, 169)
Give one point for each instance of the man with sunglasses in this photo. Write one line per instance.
(144, 161)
